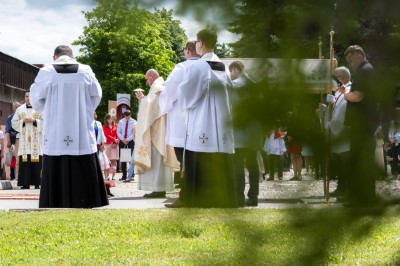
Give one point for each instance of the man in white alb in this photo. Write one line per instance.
(203, 94)
(154, 160)
(67, 93)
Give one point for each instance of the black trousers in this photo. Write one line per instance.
(72, 182)
(131, 145)
(362, 168)
(29, 172)
(246, 157)
(179, 156)
(209, 180)
(275, 162)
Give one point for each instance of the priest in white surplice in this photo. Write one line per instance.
(154, 160)
(67, 93)
(203, 94)
(28, 122)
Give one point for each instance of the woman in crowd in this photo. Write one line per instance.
(112, 141)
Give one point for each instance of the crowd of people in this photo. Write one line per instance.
(182, 131)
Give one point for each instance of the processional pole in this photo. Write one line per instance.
(329, 89)
(320, 57)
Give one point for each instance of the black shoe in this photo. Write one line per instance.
(154, 195)
(110, 195)
(343, 199)
(270, 179)
(122, 178)
(25, 187)
(337, 193)
(251, 203)
(175, 205)
(127, 180)
(358, 205)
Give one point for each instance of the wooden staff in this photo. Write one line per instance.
(331, 66)
(320, 57)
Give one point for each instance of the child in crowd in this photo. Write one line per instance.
(275, 148)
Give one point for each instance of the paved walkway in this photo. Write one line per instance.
(273, 194)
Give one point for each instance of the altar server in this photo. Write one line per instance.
(67, 93)
(209, 139)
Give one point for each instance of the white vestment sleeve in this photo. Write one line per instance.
(337, 123)
(37, 95)
(95, 89)
(16, 121)
(194, 85)
(170, 93)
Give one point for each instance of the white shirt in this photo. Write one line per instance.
(274, 146)
(1, 138)
(101, 138)
(67, 102)
(339, 137)
(204, 95)
(169, 103)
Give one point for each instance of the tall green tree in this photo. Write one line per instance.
(223, 50)
(173, 34)
(123, 41)
(274, 28)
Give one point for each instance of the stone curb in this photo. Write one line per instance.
(6, 185)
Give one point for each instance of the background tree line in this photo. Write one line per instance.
(123, 40)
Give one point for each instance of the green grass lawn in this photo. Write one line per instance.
(327, 236)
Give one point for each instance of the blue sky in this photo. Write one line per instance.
(31, 29)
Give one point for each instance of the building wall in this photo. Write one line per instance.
(16, 78)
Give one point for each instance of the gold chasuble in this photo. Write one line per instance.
(30, 133)
(151, 130)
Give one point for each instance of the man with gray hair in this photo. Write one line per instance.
(339, 135)
(155, 161)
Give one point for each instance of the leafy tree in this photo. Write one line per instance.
(175, 35)
(223, 50)
(123, 41)
(285, 29)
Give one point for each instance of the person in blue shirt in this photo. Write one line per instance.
(125, 133)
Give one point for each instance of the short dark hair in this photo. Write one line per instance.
(238, 65)
(354, 49)
(191, 46)
(208, 36)
(127, 113)
(63, 50)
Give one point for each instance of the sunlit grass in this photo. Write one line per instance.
(202, 237)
